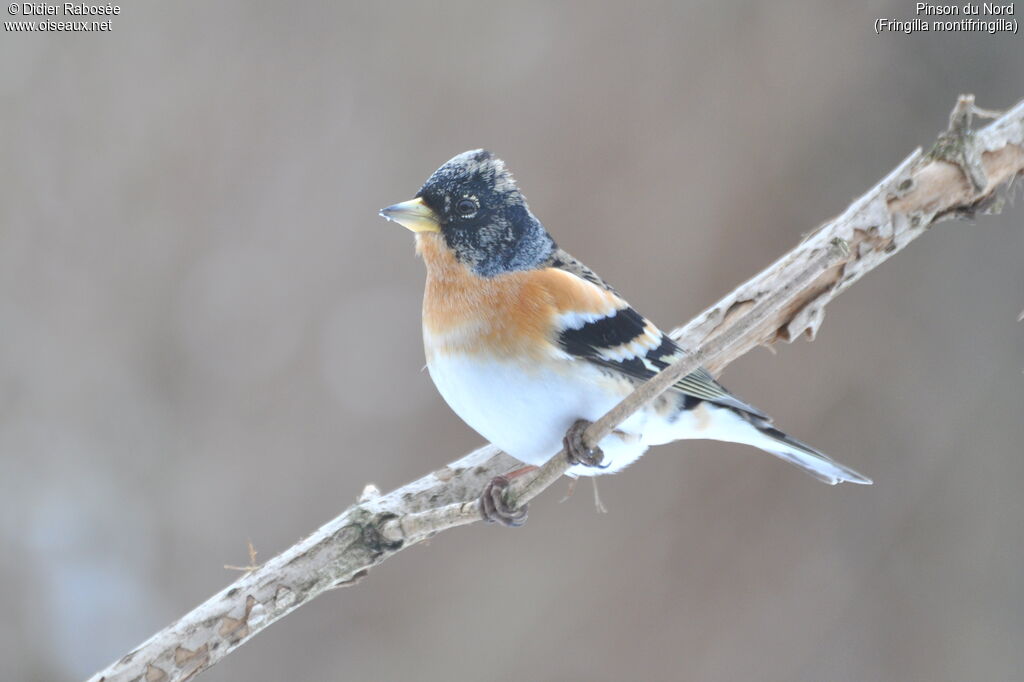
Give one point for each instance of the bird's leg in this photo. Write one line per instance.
(576, 449)
(493, 506)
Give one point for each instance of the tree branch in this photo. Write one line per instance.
(965, 173)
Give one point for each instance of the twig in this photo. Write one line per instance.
(252, 565)
(967, 175)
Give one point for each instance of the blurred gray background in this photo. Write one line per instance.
(208, 336)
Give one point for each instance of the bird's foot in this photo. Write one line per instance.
(576, 449)
(496, 509)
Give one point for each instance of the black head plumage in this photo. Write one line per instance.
(484, 218)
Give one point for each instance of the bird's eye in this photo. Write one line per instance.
(466, 207)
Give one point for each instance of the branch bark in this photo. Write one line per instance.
(965, 173)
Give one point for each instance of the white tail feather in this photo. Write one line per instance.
(729, 425)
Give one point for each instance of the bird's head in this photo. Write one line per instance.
(473, 202)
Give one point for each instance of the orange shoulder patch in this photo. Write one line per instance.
(513, 315)
(572, 295)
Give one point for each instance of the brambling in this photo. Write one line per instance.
(523, 341)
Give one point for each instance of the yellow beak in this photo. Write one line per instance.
(413, 215)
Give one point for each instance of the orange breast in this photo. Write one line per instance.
(511, 315)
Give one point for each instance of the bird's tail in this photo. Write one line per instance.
(814, 462)
(728, 423)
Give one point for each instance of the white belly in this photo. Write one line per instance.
(526, 411)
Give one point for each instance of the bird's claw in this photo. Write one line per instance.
(495, 508)
(576, 449)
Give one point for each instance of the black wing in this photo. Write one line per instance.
(627, 342)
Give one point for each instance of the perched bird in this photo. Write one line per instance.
(523, 341)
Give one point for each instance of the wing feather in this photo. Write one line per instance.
(625, 341)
